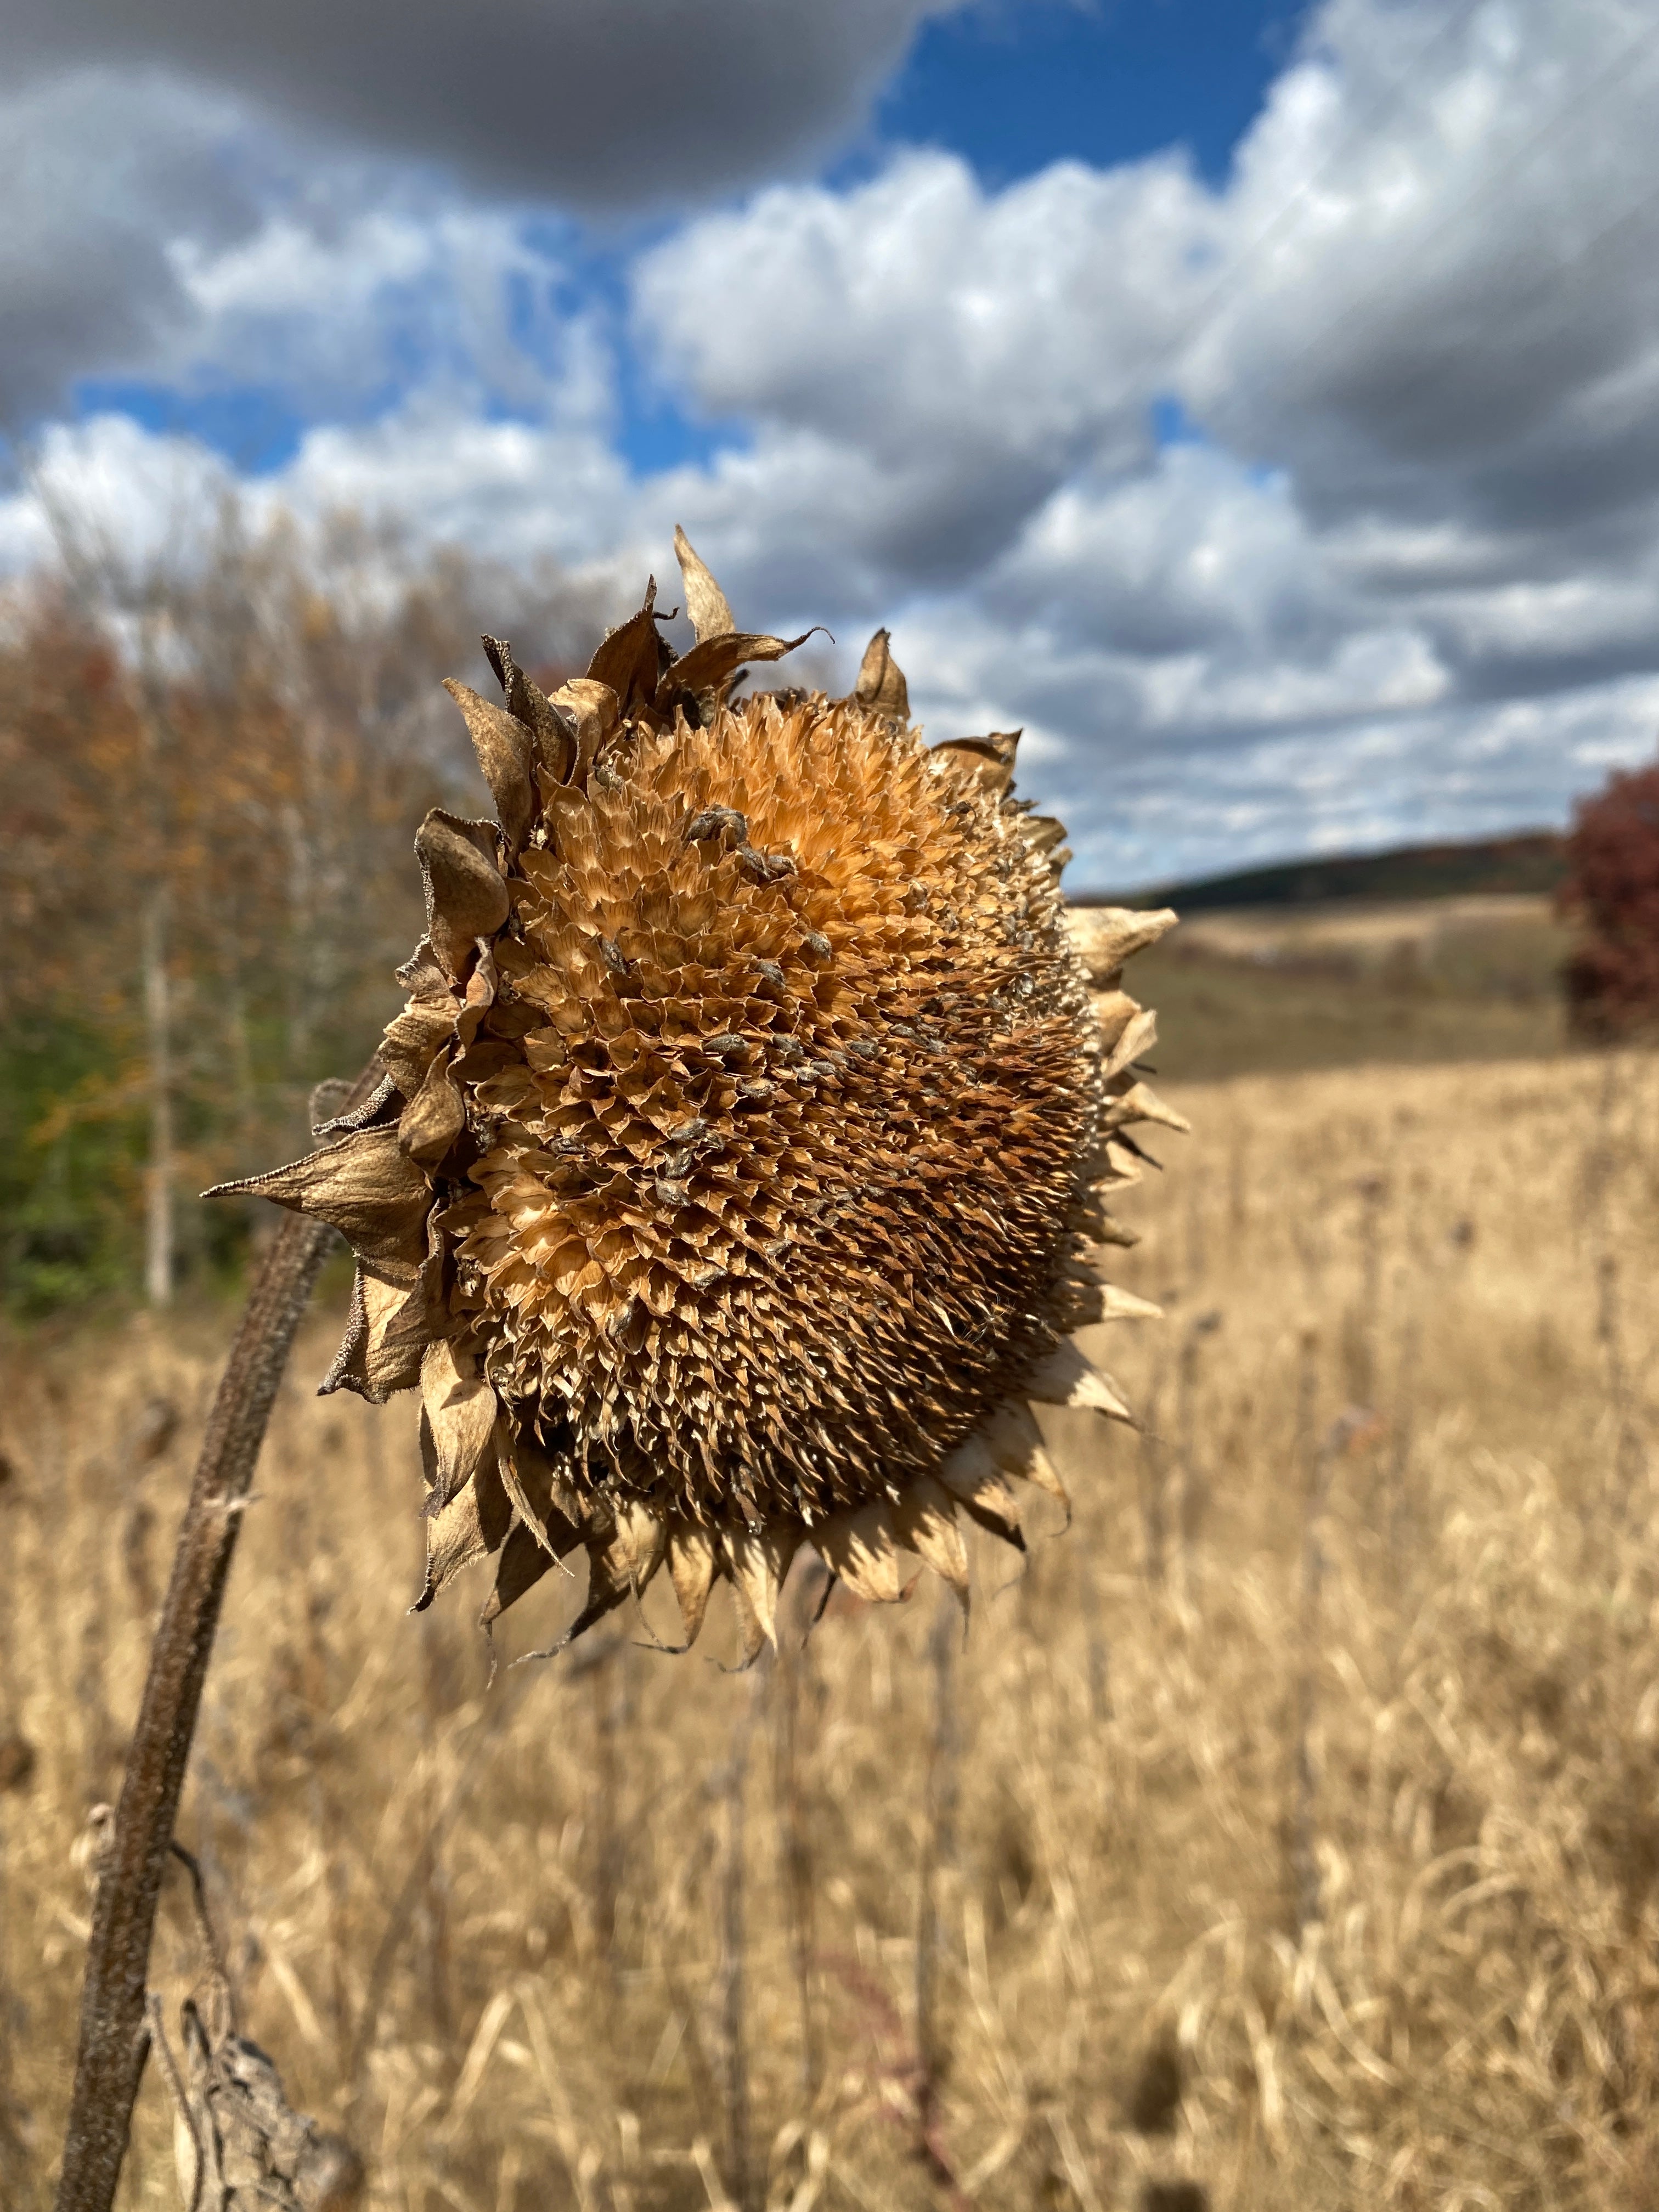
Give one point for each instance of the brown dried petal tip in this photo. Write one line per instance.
(705, 602)
(881, 686)
(505, 756)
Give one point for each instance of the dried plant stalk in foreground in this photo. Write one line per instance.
(736, 1176)
(114, 2039)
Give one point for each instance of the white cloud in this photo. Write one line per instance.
(1577, 616)
(338, 303)
(118, 494)
(971, 349)
(510, 491)
(192, 254)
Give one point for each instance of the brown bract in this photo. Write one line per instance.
(738, 1173)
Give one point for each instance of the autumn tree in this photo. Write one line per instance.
(211, 765)
(1612, 891)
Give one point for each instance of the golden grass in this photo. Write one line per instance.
(1372, 932)
(1283, 988)
(1289, 1828)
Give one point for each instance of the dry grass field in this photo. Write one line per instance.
(1286, 1834)
(1285, 988)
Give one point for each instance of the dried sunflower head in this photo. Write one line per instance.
(736, 1174)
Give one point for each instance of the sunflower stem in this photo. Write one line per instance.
(115, 2034)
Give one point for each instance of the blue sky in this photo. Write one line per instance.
(1015, 89)
(1255, 403)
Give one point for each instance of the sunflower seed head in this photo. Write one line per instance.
(739, 1154)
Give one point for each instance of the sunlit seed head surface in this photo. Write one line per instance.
(737, 1158)
(778, 1158)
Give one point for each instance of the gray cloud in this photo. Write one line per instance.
(596, 103)
(98, 176)
(1463, 314)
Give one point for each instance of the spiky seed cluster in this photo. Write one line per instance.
(735, 1174)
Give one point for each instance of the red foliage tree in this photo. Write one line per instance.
(1611, 890)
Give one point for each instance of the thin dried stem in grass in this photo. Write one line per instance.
(241, 2146)
(1352, 1425)
(321, 1788)
(17, 1762)
(433, 1912)
(610, 1694)
(91, 1703)
(1154, 1478)
(745, 2183)
(1316, 1465)
(1403, 1437)
(938, 1857)
(1373, 1191)
(1598, 1175)
(793, 1682)
(1630, 1450)
(1098, 1644)
(483, 1732)
(1185, 1507)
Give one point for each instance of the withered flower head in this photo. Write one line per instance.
(736, 1174)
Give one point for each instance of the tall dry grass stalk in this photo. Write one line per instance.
(1599, 1175)
(1128, 2014)
(796, 1709)
(743, 2180)
(939, 1855)
(17, 1766)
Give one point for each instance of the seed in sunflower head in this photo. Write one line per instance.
(738, 1167)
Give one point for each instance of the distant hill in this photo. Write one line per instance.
(1531, 861)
